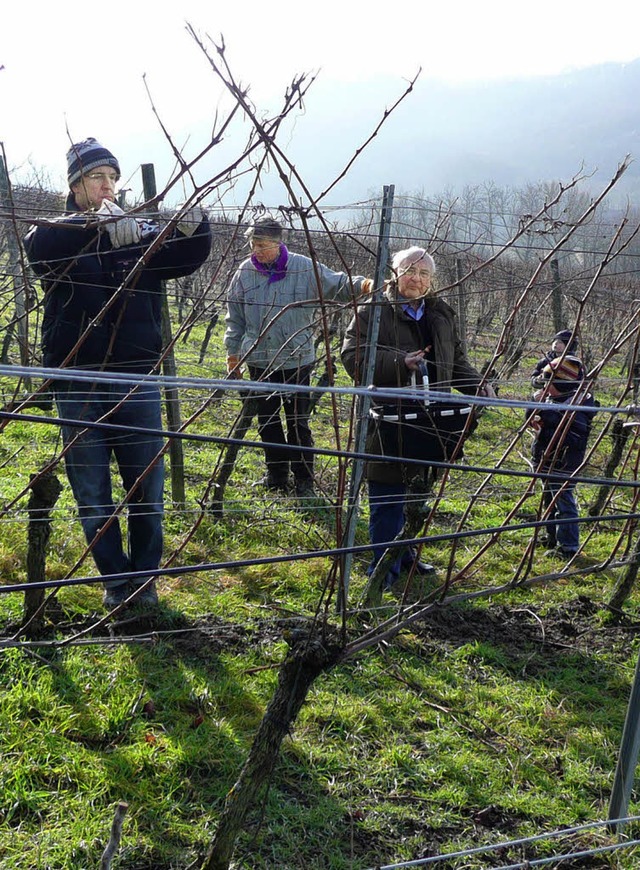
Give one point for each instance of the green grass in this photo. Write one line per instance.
(487, 722)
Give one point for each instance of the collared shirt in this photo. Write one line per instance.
(415, 313)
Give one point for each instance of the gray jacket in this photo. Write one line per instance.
(272, 325)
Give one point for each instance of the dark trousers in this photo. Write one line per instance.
(296, 413)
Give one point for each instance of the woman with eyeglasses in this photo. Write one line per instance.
(418, 345)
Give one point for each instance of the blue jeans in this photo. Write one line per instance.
(565, 535)
(88, 469)
(386, 521)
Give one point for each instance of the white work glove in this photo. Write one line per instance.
(123, 230)
(190, 220)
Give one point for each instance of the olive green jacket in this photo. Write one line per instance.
(399, 334)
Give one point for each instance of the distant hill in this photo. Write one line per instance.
(509, 132)
(441, 137)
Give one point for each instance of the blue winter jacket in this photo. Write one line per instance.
(564, 453)
(83, 278)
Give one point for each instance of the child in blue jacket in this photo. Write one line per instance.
(560, 445)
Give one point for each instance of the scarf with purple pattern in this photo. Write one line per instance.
(274, 271)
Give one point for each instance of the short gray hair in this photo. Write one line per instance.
(409, 256)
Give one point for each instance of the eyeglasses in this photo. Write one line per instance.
(101, 176)
(423, 274)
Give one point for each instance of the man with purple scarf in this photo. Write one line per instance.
(273, 308)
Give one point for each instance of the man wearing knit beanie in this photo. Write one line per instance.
(85, 156)
(102, 313)
(92, 173)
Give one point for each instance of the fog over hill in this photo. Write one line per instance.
(445, 136)
(442, 137)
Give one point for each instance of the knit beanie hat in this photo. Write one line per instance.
(87, 155)
(265, 227)
(566, 374)
(565, 336)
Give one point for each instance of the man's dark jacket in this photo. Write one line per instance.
(85, 284)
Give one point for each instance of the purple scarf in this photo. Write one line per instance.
(274, 271)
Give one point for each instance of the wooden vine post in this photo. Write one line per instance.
(169, 369)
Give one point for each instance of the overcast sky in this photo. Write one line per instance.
(76, 69)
